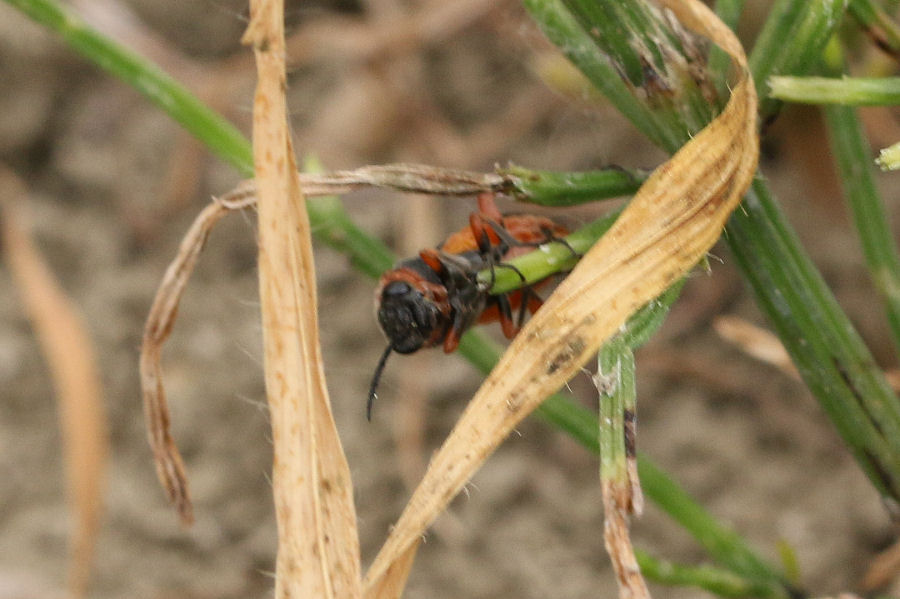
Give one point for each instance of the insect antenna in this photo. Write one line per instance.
(375, 378)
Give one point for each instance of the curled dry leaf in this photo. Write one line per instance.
(318, 546)
(670, 224)
(160, 320)
(70, 356)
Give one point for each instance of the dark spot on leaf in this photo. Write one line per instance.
(571, 350)
(630, 435)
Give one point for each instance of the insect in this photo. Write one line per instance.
(434, 298)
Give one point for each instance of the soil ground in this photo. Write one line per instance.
(114, 185)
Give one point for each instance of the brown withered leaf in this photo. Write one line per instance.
(756, 342)
(318, 546)
(617, 538)
(157, 328)
(670, 224)
(69, 352)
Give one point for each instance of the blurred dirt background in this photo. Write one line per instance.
(114, 185)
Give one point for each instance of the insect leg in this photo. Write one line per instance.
(534, 302)
(512, 268)
(451, 341)
(524, 304)
(487, 207)
(432, 258)
(504, 309)
(551, 238)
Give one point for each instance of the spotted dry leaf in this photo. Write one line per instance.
(318, 546)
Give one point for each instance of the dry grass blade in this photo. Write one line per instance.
(617, 538)
(392, 583)
(318, 546)
(70, 357)
(160, 321)
(756, 342)
(883, 569)
(412, 178)
(670, 224)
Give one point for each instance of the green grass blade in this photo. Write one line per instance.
(719, 581)
(791, 42)
(880, 25)
(729, 11)
(853, 91)
(636, 32)
(722, 543)
(549, 188)
(563, 29)
(768, 49)
(822, 342)
(615, 364)
(857, 174)
(333, 226)
(725, 545)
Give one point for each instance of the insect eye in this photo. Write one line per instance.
(396, 288)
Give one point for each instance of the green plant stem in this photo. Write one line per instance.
(791, 42)
(821, 340)
(729, 11)
(854, 91)
(722, 543)
(615, 370)
(333, 226)
(550, 258)
(550, 188)
(724, 583)
(823, 344)
(633, 36)
(768, 50)
(635, 33)
(644, 323)
(880, 25)
(562, 28)
(857, 174)
(220, 136)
